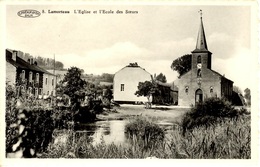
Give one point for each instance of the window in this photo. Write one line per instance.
(211, 89)
(30, 76)
(36, 91)
(52, 81)
(30, 90)
(48, 93)
(122, 87)
(46, 81)
(199, 59)
(40, 91)
(23, 74)
(37, 77)
(199, 73)
(186, 89)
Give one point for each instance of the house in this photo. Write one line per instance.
(60, 74)
(49, 84)
(26, 76)
(201, 81)
(126, 81)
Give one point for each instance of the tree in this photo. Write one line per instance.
(59, 65)
(248, 96)
(146, 89)
(237, 89)
(107, 77)
(73, 85)
(161, 78)
(182, 64)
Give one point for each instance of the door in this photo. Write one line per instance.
(198, 96)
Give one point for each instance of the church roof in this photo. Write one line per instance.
(201, 44)
(222, 76)
(217, 73)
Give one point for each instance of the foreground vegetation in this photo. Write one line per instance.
(229, 138)
(213, 129)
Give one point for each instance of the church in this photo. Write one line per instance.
(201, 81)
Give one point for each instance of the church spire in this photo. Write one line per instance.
(201, 40)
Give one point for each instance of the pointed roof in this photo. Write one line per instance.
(201, 39)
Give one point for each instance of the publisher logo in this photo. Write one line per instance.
(29, 13)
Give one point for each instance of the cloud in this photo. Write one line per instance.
(118, 55)
(218, 37)
(160, 66)
(240, 68)
(105, 60)
(221, 45)
(170, 50)
(155, 59)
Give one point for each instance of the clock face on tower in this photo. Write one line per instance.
(199, 65)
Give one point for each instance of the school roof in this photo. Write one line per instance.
(22, 63)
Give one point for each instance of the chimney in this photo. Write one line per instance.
(31, 61)
(14, 54)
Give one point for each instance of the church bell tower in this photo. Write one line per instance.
(201, 57)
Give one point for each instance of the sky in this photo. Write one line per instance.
(157, 35)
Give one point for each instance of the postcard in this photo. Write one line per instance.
(156, 83)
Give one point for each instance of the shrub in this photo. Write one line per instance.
(31, 131)
(144, 131)
(29, 127)
(226, 139)
(207, 113)
(84, 115)
(62, 119)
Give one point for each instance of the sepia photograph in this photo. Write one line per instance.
(130, 81)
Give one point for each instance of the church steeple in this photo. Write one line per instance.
(201, 57)
(201, 39)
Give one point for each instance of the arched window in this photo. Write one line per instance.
(186, 89)
(36, 91)
(199, 73)
(211, 89)
(40, 91)
(23, 74)
(199, 59)
(30, 76)
(29, 90)
(37, 77)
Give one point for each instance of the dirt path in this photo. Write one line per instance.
(161, 113)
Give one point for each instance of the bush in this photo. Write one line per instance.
(29, 127)
(85, 115)
(62, 119)
(207, 113)
(144, 131)
(31, 131)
